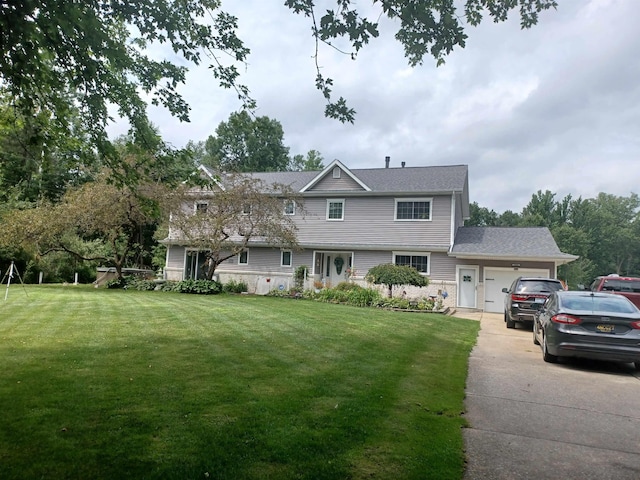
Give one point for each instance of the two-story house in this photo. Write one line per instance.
(355, 219)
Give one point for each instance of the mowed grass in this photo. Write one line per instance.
(107, 384)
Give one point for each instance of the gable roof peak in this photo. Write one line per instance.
(330, 168)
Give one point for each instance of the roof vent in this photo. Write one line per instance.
(403, 164)
(386, 162)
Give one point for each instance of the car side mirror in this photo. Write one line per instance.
(505, 290)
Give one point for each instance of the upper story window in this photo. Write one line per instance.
(201, 207)
(413, 209)
(419, 261)
(336, 172)
(335, 209)
(243, 257)
(246, 209)
(289, 207)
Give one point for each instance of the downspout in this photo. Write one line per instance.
(452, 233)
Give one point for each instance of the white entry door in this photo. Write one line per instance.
(467, 287)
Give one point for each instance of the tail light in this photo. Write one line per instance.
(518, 298)
(566, 319)
(636, 324)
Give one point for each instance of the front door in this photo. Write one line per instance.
(333, 267)
(467, 287)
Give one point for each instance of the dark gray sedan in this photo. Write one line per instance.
(599, 326)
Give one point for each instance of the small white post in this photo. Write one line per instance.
(75, 282)
(40, 277)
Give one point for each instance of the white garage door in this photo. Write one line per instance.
(495, 279)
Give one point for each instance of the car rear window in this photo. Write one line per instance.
(537, 286)
(611, 304)
(621, 285)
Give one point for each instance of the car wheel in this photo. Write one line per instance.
(546, 356)
(510, 323)
(535, 338)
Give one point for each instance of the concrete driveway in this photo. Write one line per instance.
(534, 420)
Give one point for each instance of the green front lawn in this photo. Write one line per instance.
(112, 384)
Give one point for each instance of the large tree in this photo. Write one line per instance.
(312, 162)
(91, 54)
(58, 55)
(247, 144)
(231, 213)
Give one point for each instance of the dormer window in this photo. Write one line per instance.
(201, 207)
(336, 172)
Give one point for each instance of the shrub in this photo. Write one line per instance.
(299, 276)
(235, 287)
(201, 287)
(389, 274)
(348, 286)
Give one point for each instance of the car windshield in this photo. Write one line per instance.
(595, 303)
(537, 286)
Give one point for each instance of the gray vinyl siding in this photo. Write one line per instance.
(267, 260)
(370, 221)
(443, 267)
(328, 183)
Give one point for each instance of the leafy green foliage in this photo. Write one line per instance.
(59, 55)
(233, 286)
(244, 144)
(392, 275)
(312, 162)
(200, 287)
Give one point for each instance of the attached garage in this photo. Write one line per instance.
(495, 279)
(502, 254)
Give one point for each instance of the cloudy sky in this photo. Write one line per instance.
(553, 108)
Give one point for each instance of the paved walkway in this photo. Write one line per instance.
(530, 419)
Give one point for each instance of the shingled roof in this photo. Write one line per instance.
(534, 243)
(430, 179)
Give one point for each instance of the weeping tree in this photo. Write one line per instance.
(391, 275)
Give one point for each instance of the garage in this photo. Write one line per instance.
(495, 279)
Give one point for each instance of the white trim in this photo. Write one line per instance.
(413, 199)
(413, 254)
(476, 269)
(335, 200)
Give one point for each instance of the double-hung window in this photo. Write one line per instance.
(411, 209)
(335, 209)
(417, 260)
(243, 257)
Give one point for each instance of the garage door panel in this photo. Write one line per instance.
(496, 279)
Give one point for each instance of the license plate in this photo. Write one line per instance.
(539, 300)
(605, 328)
